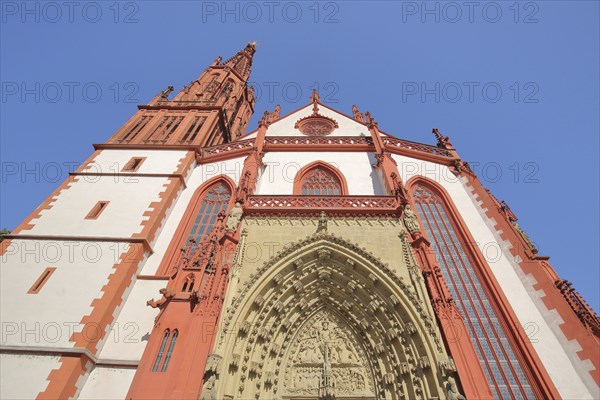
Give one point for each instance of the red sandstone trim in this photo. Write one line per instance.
(62, 382)
(47, 204)
(545, 277)
(543, 385)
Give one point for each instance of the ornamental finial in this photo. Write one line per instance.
(358, 116)
(370, 120)
(314, 98)
(442, 140)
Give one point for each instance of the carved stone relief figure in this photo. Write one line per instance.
(235, 215)
(410, 220)
(452, 390)
(322, 227)
(209, 390)
(326, 360)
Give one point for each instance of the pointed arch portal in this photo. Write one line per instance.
(324, 319)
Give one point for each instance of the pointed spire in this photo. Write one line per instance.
(242, 61)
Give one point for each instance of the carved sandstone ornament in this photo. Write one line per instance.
(525, 237)
(410, 220)
(326, 359)
(235, 215)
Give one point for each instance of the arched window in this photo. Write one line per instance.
(501, 366)
(214, 200)
(198, 221)
(161, 350)
(170, 351)
(188, 285)
(320, 179)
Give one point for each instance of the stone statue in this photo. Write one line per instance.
(410, 220)
(235, 215)
(209, 390)
(452, 391)
(322, 227)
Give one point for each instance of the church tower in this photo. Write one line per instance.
(315, 257)
(213, 109)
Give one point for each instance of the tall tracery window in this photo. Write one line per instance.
(215, 199)
(500, 364)
(320, 181)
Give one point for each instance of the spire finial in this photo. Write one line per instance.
(265, 120)
(370, 120)
(314, 98)
(443, 141)
(358, 116)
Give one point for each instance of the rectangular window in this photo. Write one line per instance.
(97, 210)
(41, 281)
(133, 164)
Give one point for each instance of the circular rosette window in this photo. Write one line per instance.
(316, 125)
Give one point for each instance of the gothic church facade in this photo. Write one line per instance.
(315, 257)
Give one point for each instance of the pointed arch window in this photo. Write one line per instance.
(215, 199)
(504, 372)
(188, 285)
(198, 222)
(161, 350)
(320, 180)
(170, 351)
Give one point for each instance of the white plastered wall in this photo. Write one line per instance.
(557, 362)
(106, 383)
(49, 318)
(129, 334)
(24, 376)
(347, 126)
(282, 167)
(156, 161)
(129, 198)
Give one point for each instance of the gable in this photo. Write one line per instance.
(286, 125)
(346, 126)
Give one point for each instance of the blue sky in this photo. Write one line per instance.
(514, 84)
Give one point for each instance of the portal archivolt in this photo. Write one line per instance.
(324, 319)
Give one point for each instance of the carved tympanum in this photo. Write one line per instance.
(326, 360)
